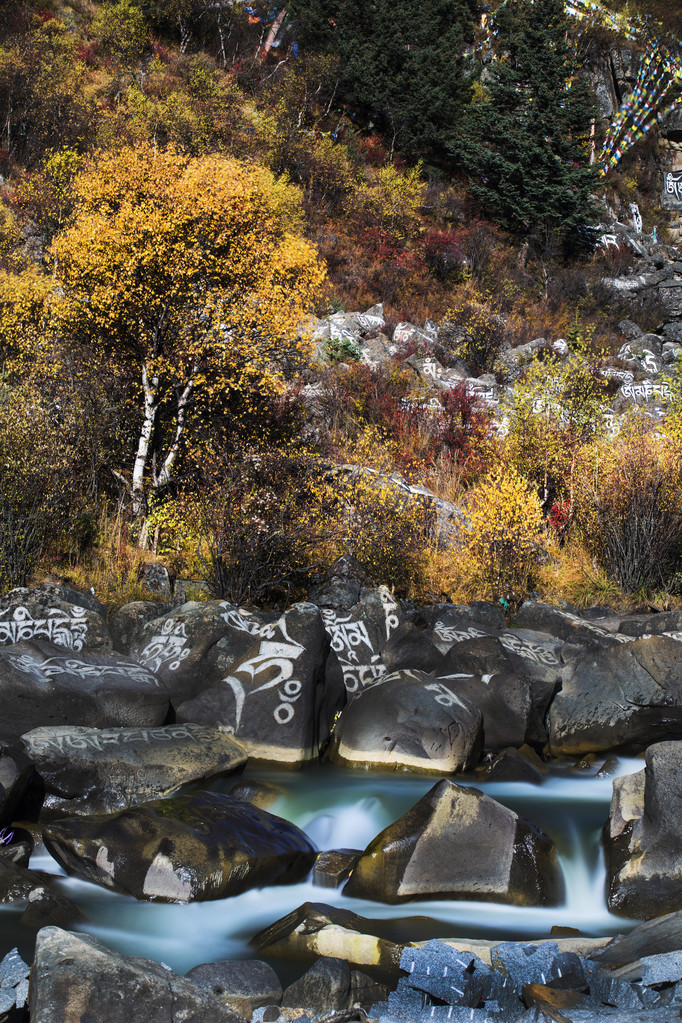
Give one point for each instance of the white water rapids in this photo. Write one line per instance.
(346, 810)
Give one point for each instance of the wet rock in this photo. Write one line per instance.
(643, 835)
(252, 981)
(41, 684)
(15, 773)
(519, 765)
(325, 986)
(315, 929)
(262, 677)
(626, 694)
(76, 978)
(183, 849)
(505, 701)
(332, 868)
(253, 790)
(364, 990)
(91, 770)
(39, 890)
(457, 843)
(27, 614)
(565, 625)
(127, 623)
(407, 720)
(659, 936)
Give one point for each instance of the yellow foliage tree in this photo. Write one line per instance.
(503, 533)
(192, 271)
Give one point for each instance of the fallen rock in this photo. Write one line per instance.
(408, 719)
(76, 978)
(91, 770)
(457, 843)
(620, 695)
(643, 835)
(250, 980)
(183, 849)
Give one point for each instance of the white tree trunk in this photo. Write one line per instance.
(151, 405)
(181, 424)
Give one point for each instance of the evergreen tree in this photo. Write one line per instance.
(401, 62)
(525, 144)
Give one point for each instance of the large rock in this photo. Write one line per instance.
(505, 702)
(566, 625)
(90, 770)
(251, 980)
(43, 615)
(183, 849)
(408, 720)
(265, 678)
(315, 929)
(619, 695)
(15, 773)
(41, 684)
(457, 843)
(643, 836)
(325, 986)
(76, 979)
(127, 623)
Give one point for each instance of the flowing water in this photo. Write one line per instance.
(346, 809)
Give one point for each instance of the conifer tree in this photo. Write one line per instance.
(526, 141)
(401, 62)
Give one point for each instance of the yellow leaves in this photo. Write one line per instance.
(503, 533)
(24, 300)
(392, 200)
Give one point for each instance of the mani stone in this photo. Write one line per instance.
(613, 697)
(504, 700)
(565, 625)
(457, 843)
(90, 770)
(643, 835)
(41, 685)
(252, 981)
(408, 720)
(183, 849)
(42, 615)
(76, 978)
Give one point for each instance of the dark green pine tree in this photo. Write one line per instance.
(401, 63)
(525, 145)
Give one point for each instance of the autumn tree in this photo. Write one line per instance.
(192, 272)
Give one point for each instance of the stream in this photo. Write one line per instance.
(347, 809)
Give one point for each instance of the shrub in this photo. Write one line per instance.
(503, 535)
(629, 507)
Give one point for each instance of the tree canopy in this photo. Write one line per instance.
(526, 142)
(192, 272)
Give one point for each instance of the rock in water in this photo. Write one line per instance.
(457, 843)
(41, 684)
(408, 719)
(613, 696)
(643, 836)
(76, 979)
(90, 770)
(183, 849)
(251, 980)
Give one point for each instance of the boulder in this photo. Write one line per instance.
(324, 987)
(183, 849)
(15, 773)
(263, 677)
(505, 702)
(252, 981)
(91, 770)
(565, 625)
(42, 684)
(343, 585)
(457, 843)
(70, 596)
(45, 903)
(43, 615)
(333, 867)
(315, 929)
(643, 835)
(127, 622)
(631, 693)
(664, 623)
(76, 978)
(517, 765)
(408, 719)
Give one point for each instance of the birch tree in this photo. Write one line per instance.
(194, 273)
